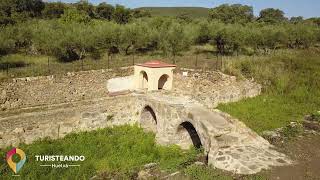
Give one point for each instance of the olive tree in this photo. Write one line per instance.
(174, 39)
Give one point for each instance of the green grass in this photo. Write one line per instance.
(194, 12)
(121, 150)
(291, 89)
(196, 172)
(204, 173)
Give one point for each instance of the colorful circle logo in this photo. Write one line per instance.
(16, 166)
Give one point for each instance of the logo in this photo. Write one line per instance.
(16, 166)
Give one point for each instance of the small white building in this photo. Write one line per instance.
(153, 75)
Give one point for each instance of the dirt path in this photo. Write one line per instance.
(306, 153)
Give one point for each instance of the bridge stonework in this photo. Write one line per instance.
(184, 116)
(229, 144)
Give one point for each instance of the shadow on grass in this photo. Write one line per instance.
(10, 65)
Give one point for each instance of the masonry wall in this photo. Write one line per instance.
(58, 120)
(211, 88)
(46, 90)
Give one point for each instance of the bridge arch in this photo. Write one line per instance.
(191, 130)
(189, 135)
(148, 119)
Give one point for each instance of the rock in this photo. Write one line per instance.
(198, 163)
(144, 174)
(272, 136)
(18, 130)
(311, 125)
(94, 177)
(150, 165)
(313, 117)
(174, 174)
(3, 94)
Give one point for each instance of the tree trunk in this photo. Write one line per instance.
(196, 61)
(108, 61)
(174, 58)
(48, 65)
(82, 60)
(127, 49)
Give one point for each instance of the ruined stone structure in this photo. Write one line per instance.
(176, 117)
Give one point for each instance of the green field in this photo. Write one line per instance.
(194, 12)
(291, 89)
(121, 151)
(118, 153)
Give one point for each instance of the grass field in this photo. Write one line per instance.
(120, 150)
(193, 12)
(291, 89)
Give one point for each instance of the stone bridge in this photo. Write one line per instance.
(227, 142)
(53, 106)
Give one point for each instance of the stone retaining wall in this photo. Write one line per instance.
(58, 120)
(211, 88)
(46, 90)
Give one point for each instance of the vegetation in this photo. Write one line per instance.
(121, 150)
(72, 32)
(315, 116)
(290, 89)
(191, 12)
(204, 173)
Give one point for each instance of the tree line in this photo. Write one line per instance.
(74, 31)
(15, 11)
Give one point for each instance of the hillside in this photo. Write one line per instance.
(194, 12)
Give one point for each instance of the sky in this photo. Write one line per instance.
(305, 8)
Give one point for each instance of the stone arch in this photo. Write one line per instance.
(143, 80)
(193, 134)
(163, 82)
(148, 119)
(188, 135)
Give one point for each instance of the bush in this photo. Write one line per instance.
(292, 130)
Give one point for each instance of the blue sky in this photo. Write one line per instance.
(306, 8)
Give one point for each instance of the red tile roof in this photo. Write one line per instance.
(156, 64)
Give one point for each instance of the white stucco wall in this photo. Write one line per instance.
(120, 84)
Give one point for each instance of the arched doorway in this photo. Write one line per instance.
(162, 83)
(143, 80)
(188, 136)
(148, 119)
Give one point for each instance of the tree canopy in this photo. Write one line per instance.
(271, 15)
(235, 13)
(72, 31)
